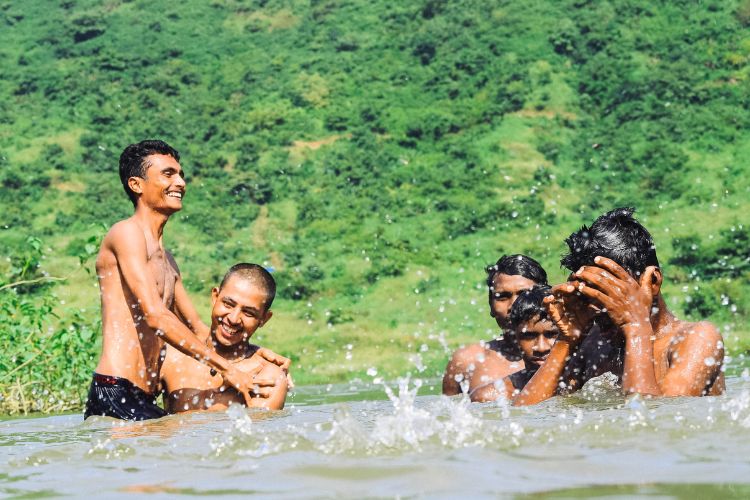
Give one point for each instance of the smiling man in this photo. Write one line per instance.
(240, 306)
(144, 303)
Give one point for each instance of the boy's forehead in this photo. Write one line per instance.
(243, 289)
(161, 161)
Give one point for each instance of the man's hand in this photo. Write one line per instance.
(570, 314)
(627, 302)
(272, 357)
(280, 361)
(247, 384)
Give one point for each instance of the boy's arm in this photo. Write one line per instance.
(273, 397)
(568, 314)
(127, 243)
(545, 382)
(628, 304)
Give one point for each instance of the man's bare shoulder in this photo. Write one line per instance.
(125, 231)
(481, 353)
(701, 335)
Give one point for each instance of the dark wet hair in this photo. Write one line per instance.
(255, 274)
(529, 305)
(517, 265)
(615, 235)
(133, 161)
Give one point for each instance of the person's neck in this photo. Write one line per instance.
(151, 220)
(234, 352)
(662, 319)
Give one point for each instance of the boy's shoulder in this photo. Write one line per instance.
(255, 360)
(696, 335)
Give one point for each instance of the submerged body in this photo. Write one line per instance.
(189, 385)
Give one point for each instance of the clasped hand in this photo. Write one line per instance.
(248, 383)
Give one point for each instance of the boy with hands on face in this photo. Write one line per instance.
(612, 317)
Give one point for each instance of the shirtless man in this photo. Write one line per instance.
(144, 303)
(534, 333)
(475, 365)
(616, 286)
(240, 305)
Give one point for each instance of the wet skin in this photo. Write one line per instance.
(144, 303)
(661, 355)
(238, 310)
(535, 340)
(477, 364)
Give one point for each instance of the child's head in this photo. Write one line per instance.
(241, 303)
(617, 236)
(531, 328)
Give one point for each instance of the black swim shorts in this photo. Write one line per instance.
(120, 398)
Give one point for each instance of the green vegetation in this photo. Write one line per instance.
(376, 154)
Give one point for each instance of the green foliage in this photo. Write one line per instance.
(352, 145)
(44, 367)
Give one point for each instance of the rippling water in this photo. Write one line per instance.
(363, 440)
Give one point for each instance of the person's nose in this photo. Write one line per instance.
(180, 181)
(233, 316)
(543, 344)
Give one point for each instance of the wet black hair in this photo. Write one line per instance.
(529, 305)
(615, 235)
(133, 161)
(516, 265)
(256, 274)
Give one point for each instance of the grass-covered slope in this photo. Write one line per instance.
(376, 154)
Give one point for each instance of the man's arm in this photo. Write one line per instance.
(456, 365)
(628, 304)
(128, 244)
(271, 397)
(186, 311)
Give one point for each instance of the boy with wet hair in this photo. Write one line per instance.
(534, 333)
(612, 316)
(470, 367)
(241, 305)
(144, 303)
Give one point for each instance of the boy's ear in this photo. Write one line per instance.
(134, 183)
(214, 295)
(652, 278)
(266, 318)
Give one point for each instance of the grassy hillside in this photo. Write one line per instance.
(377, 155)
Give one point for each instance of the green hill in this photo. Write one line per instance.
(377, 155)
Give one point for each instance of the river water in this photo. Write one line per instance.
(363, 440)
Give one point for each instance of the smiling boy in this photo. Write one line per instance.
(144, 304)
(240, 306)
